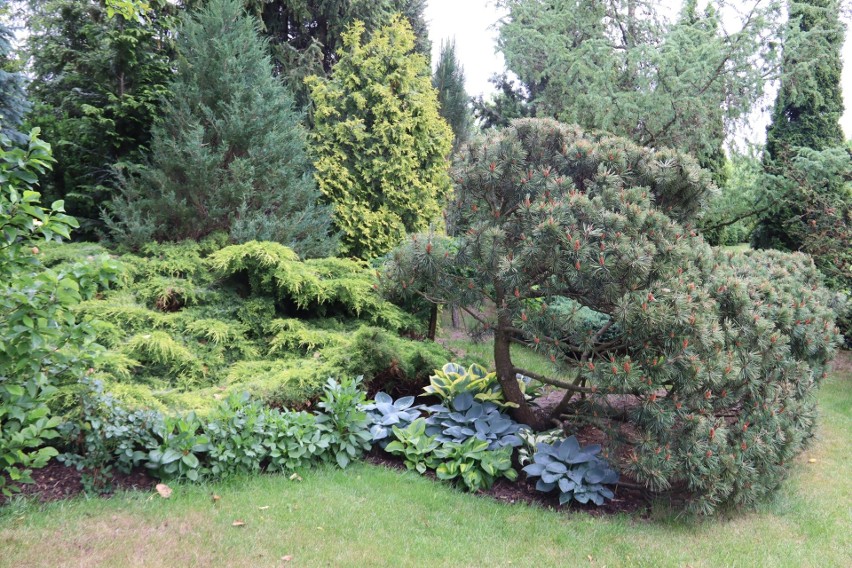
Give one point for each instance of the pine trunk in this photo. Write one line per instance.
(506, 375)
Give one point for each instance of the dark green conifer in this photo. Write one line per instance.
(229, 153)
(448, 80)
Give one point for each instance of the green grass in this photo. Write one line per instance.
(370, 516)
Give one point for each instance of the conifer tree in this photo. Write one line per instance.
(448, 80)
(379, 144)
(620, 66)
(13, 99)
(97, 82)
(229, 153)
(305, 35)
(807, 114)
(698, 366)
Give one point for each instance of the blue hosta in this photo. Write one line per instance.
(579, 473)
(385, 413)
(467, 418)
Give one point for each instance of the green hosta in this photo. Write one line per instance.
(577, 472)
(453, 379)
(415, 446)
(473, 463)
(348, 426)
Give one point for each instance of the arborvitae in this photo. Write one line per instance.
(380, 146)
(448, 80)
(306, 35)
(698, 367)
(807, 113)
(13, 99)
(229, 152)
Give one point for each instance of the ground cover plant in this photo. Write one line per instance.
(699, 365)
(185, 325)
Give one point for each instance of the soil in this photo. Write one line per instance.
(57, 481)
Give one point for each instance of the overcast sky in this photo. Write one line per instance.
(472, 24)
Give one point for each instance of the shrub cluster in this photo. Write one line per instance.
(189, 322)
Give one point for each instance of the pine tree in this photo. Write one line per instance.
(697, 365)
(229, 153)
(448, 80)
(380, 146)
(13, 99)
(807, 114)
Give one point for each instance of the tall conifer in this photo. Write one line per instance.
(229, 154)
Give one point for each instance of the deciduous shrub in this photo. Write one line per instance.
(42, 344)
(703, 371)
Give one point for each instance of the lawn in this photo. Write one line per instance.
(371, 516)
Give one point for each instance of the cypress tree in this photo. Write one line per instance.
(448, 80)
(229, 154)
(806, 114)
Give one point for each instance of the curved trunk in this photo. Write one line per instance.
(506, 376)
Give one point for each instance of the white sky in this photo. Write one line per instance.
(472, 24)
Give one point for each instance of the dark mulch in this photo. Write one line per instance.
(57, 481)
(626, 500)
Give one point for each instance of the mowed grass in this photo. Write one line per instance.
(371, 516)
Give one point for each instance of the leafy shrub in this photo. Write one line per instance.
(294, 440)
(42, 344)
(474, 463)
(385, 413)
(578, 472)
(180, 445)
(466, 418)
(415, 446)
(105, 435)
(237, 432)
(344, 419)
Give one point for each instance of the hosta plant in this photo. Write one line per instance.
(453, 379)
(474, 464)
(578, 472)
(467, 418)
(386, 413)
(415, 446)
(530, 440)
